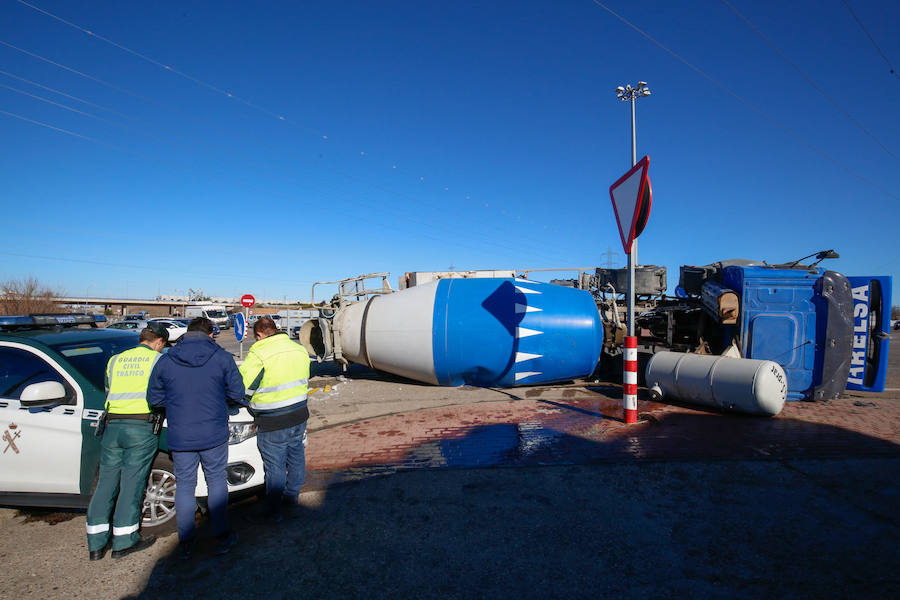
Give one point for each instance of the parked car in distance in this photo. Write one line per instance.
(176, 329)
(135, 325)
(185, 322)
(141, 316)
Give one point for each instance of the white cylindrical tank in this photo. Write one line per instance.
(756, 387)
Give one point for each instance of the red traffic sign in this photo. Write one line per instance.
(247, 300)
(631, 198)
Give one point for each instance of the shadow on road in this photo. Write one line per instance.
(800, 523)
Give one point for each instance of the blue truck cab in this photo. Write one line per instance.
(829, 332)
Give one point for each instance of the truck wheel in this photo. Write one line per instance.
(159, 500)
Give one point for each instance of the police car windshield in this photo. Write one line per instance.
(90, 358)
(215, 314)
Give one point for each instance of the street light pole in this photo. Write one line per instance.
(633, 135)
(630, 94)
(629, 362)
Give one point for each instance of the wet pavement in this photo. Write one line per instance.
(367, 423)
(583, 425)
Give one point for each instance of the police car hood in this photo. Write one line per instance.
(194, 350)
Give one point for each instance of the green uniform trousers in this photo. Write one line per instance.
(127, 451)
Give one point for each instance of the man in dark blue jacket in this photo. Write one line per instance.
(194, 382)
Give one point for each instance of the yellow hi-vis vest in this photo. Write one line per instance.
(127, 375)
(285, 373)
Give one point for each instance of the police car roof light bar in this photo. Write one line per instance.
(50, 320)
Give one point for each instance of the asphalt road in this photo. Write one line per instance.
(772, 527)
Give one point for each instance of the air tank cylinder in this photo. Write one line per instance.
(756, 387)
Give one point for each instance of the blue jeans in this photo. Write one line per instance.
(213, 461)
(284, 461)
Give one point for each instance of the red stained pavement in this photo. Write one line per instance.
(584, 424)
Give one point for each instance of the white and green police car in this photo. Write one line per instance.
(51, 396)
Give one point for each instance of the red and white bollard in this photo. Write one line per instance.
(629, 389)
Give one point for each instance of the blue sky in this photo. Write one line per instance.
(398, 135)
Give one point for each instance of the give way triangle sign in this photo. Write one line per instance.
(631, 198)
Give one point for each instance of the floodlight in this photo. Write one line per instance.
(642, 83)
(620, 89)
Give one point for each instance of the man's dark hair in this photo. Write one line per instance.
(153, 332)
(265, 325)
(201, 324)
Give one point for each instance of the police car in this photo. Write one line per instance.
(51, 396)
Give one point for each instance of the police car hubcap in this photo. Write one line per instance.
(159, 500)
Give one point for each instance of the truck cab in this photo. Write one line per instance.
(828, 331)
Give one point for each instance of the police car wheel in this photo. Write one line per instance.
(159, 500)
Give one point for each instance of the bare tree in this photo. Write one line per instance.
(26, 296)
(895, 312)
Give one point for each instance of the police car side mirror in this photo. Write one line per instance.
(43, 395)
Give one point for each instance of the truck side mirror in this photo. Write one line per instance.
(43, 395)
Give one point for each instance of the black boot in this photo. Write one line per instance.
(142, 544)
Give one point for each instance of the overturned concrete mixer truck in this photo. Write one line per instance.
(828, 332)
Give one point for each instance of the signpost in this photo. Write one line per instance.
(247, 300)
(239, 330)
(631, 198)
(239, 327)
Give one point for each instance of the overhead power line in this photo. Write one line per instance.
(810, 80)
(191, 78)
(871, 39)
(422, 231)
(153, 61)
(111, 86)
(747, 103)
(230, 131)
(245, 160)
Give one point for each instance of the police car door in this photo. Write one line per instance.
(40, 448)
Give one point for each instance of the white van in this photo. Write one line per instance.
(217, 313)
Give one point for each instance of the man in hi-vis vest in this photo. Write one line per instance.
(276, 375)
(127, 450)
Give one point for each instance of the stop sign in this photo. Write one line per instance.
(247, 300)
